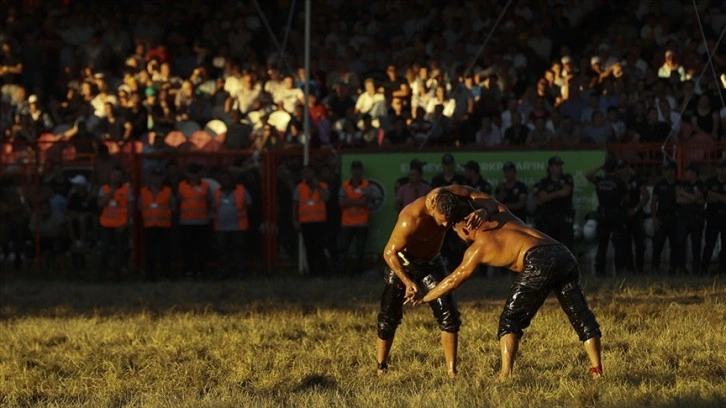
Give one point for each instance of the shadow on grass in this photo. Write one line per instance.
(316, 382)
(259, 296)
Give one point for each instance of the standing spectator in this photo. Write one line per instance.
(232, 202)
(414, 188)
(453, 248)
(309, 216)
(690, 199)
(664, 209)
(80, 211)
(474, 179)
(638, 197)
(512, 192)
(554, 213)
(354, 198)
(611, 218)
(48, 224)
(195, 199)
(716, 217)
(114, 201)
(156, 203)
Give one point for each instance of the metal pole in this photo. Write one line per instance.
(306, 124)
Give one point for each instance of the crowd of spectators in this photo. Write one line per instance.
(161, 76)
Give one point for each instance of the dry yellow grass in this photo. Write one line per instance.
(305, 343)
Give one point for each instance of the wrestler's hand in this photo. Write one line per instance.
(476, 218)
(412, 294)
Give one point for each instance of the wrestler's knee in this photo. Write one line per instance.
(449, 321)
(387, 326)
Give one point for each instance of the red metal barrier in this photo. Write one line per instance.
(28, 165)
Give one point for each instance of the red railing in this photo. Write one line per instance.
(29, 167)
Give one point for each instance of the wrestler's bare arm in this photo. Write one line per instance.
(397, 243)
(471, 261)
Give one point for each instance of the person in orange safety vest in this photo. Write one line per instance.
(231, 203)
(309, 216)
(354, 198)
(114, 201)
(195, 209)
(156, 202)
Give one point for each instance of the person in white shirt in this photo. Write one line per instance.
(289, 96)
(368, 100)
(671, 67)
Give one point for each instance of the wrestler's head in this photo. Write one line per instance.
(446, 209)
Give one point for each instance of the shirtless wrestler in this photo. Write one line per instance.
(542, 264)
(414, 266)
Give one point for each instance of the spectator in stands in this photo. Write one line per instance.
(371, 101)
(488, 134)
(671, 67)
(539, 136)
(653, 130)
(705, 120)
(567, 134)
(598, 131)
(289, 96)
(516, 134)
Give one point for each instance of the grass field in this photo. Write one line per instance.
(309, 343)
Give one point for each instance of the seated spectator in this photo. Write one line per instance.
(539, 136)
(400, 134)
(113, 128)
(440, 98)
(36, 121)
(567, 134)
(705, 120)
(668, 115)
(617, 125)
(516, 134)
(370, 101)
(587, 112)
(420, 127)
(671, 67)
(288, 97)
(350, 135)
(509, 113)
(488, 134)
(340, 103)
(598, 131)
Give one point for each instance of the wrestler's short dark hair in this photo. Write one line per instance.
(449, 206)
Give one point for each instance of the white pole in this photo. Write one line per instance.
(306, 124)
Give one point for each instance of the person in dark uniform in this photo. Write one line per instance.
(663, 208)
(611, 195)
(553, 196)
(474, 178)
(690, 198)
(512, 192)
(715, 217)
(454, 247)
(414, 164)
(638, 197)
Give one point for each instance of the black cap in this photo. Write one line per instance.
(721, 162)
(447, 158)
(416, 164)
(669, 165)
(157, 171)
(694, 167)
(555, 160)
(356, 164)
(472, 165)
(509, 166)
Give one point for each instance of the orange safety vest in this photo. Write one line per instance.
(311, 206)
(355, 215)
(156, 211)
(239, 202)
(116, 212)
(193, 201)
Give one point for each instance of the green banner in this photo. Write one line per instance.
(383, 169)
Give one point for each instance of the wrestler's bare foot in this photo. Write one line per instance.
(451, 372)
(382, 369)
(595, 372)
(380, 373)
(504, 376)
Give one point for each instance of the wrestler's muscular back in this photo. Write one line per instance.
(424, 237)
(504, 240)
